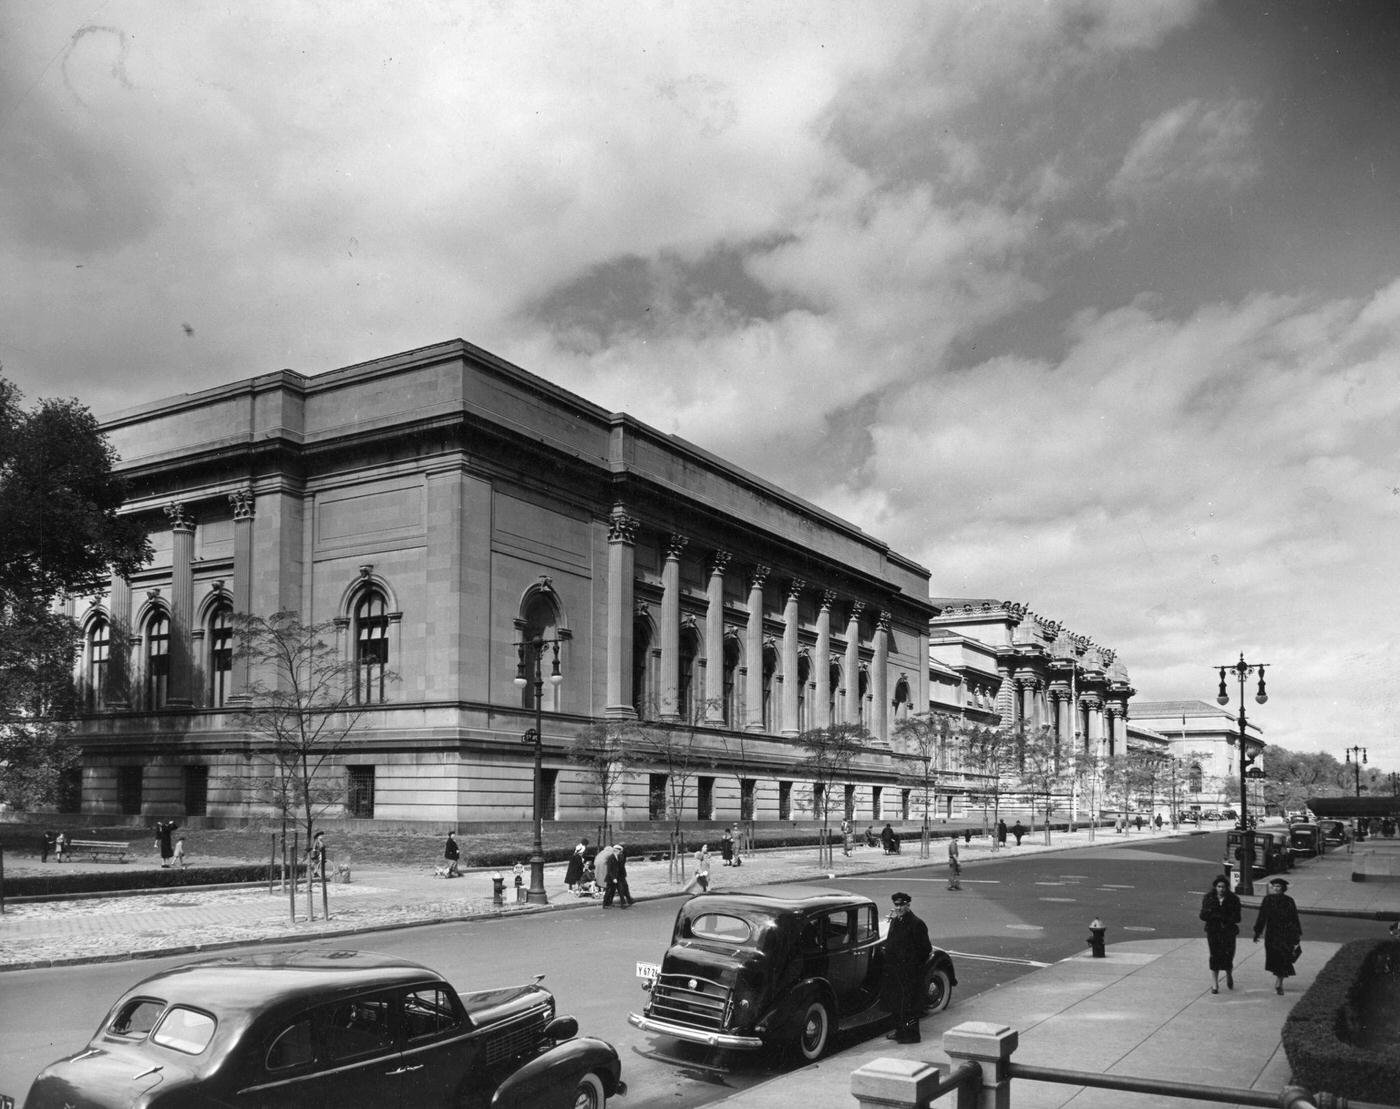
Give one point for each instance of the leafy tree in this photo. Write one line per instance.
(1043, 773)
(606, 758)
(302, 702)
(62, 534)
(830, 751)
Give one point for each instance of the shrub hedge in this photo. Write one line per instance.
(60, 884)
(1323, 1033)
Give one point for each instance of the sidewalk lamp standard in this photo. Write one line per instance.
(1243, 670)
(529, 655)
(1359, 754)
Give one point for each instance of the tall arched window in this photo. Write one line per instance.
(99, 651)
(862, 696)
(371, 647)
(902, 700)
(731, 685)
(220, 654)
(686, 681)
(833, 689)
(770, 670)
(804, 677)
(642, 697)
(1194, 781)
(158, 661)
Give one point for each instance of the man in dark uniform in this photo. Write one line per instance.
(907, 948)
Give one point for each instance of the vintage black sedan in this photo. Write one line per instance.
(775, 967)
(328, 1028)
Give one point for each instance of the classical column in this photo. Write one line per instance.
(117, 695)
(622, 537)
(714, 639)
(853, 663)
(880, 693)
(790, 675)
(823, 660)
(753, 649)
(671, 628)
(241, 501)
(181, 693)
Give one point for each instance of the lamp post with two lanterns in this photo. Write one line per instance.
(528, 667)
(1356, 756)
(1243, 670)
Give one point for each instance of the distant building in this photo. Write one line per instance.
(1205, 739)
(438, 506)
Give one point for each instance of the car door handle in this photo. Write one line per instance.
(405, 1070)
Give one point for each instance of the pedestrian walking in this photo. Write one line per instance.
(889, 839)
(907, 948)
(45, 846)
(1138, 822)
(178, 859)
(701, 878)
(1018, 830)
(573, 873)
(1001, 832)
(845, 837)
(165, 831)
(954, 867)
(1220, 909)
(624, 891)
(60, 846)
(1158, 822)
(317, 856)
(603, 873)
(1278, 923)
(726, 846)
(452, 852)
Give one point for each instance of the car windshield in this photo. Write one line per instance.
(186, 1030)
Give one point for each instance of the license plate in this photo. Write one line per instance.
(644, 970)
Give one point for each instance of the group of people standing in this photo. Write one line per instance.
(1277, 924)
(55, 845)
(607, 870)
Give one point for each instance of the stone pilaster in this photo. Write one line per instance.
(879, 679)
(181, 692)
(671, 628)
(241, 501)
(753, 649)
(622, 538)
(853, 706)
(823, 660)
(714, 639)
(790, 675)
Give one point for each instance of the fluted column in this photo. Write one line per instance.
(823, 660)
(790, 675)
(753, 649)
(880, 693)
(117, 695)
(671, 628)
(714, 639)
(181, 693)
(241, 501)
(622, 538)
(853, 663)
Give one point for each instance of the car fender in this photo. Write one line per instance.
(548, 1078)
(941, 960)
(781, 1021)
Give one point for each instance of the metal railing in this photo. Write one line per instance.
(982, 1071)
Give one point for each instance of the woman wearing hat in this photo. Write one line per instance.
(1278, 923)
(1220, 909)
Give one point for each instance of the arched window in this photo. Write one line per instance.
(99, 651)
(902, 700)
(862, 696)
(686, 683)
(220, 654)
(804, 677)
(158, 661)
(641, 668)
(731, 685)
(770, 669)
(371, 647)
(1195, 778)
(833, 691)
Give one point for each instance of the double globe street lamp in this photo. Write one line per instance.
(1360, 757)
(528, 667)
(1243, 670)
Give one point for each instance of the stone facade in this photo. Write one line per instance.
(440, 506)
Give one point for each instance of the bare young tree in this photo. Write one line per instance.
(989, 752)
(680, 753)
(1043, 773)
(925, 736)
(302, 703)
(606, 758)
(830, 753)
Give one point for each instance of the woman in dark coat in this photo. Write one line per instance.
(1279, 924)
(573, 874)
(1220, 909)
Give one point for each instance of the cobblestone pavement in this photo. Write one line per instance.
(96, 929)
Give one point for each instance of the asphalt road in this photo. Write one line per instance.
(1010, 917)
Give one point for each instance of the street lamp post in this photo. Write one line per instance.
(1356, 756)
(1243, 670)
(529, 656)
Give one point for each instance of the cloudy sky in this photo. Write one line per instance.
(1090, 306)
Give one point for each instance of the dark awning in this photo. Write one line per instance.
(1344, 806)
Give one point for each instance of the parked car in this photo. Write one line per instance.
(1229, 814)
(1188, 816)
(1271, 856)
(1210, 814)
(775, 967)
(1304, 840)
(1333, 831)
(328, 1028)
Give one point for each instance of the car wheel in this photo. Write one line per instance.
(938, 991)
(813, 1032)
(588, 1094)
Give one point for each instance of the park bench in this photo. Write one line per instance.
(98, 848)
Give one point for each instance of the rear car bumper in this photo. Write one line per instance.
(695, 1035)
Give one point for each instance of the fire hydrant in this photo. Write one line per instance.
(1095, 940)
(498, 889)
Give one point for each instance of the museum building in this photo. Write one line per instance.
(439, 508)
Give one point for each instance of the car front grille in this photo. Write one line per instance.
(516, 1037)
(690, 1000)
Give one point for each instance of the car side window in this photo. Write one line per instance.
(838, 929)
(429, 1011)
(187, 1030)
(137, 1017)
(354, 1028)
(867, 924)
(292, 1047)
